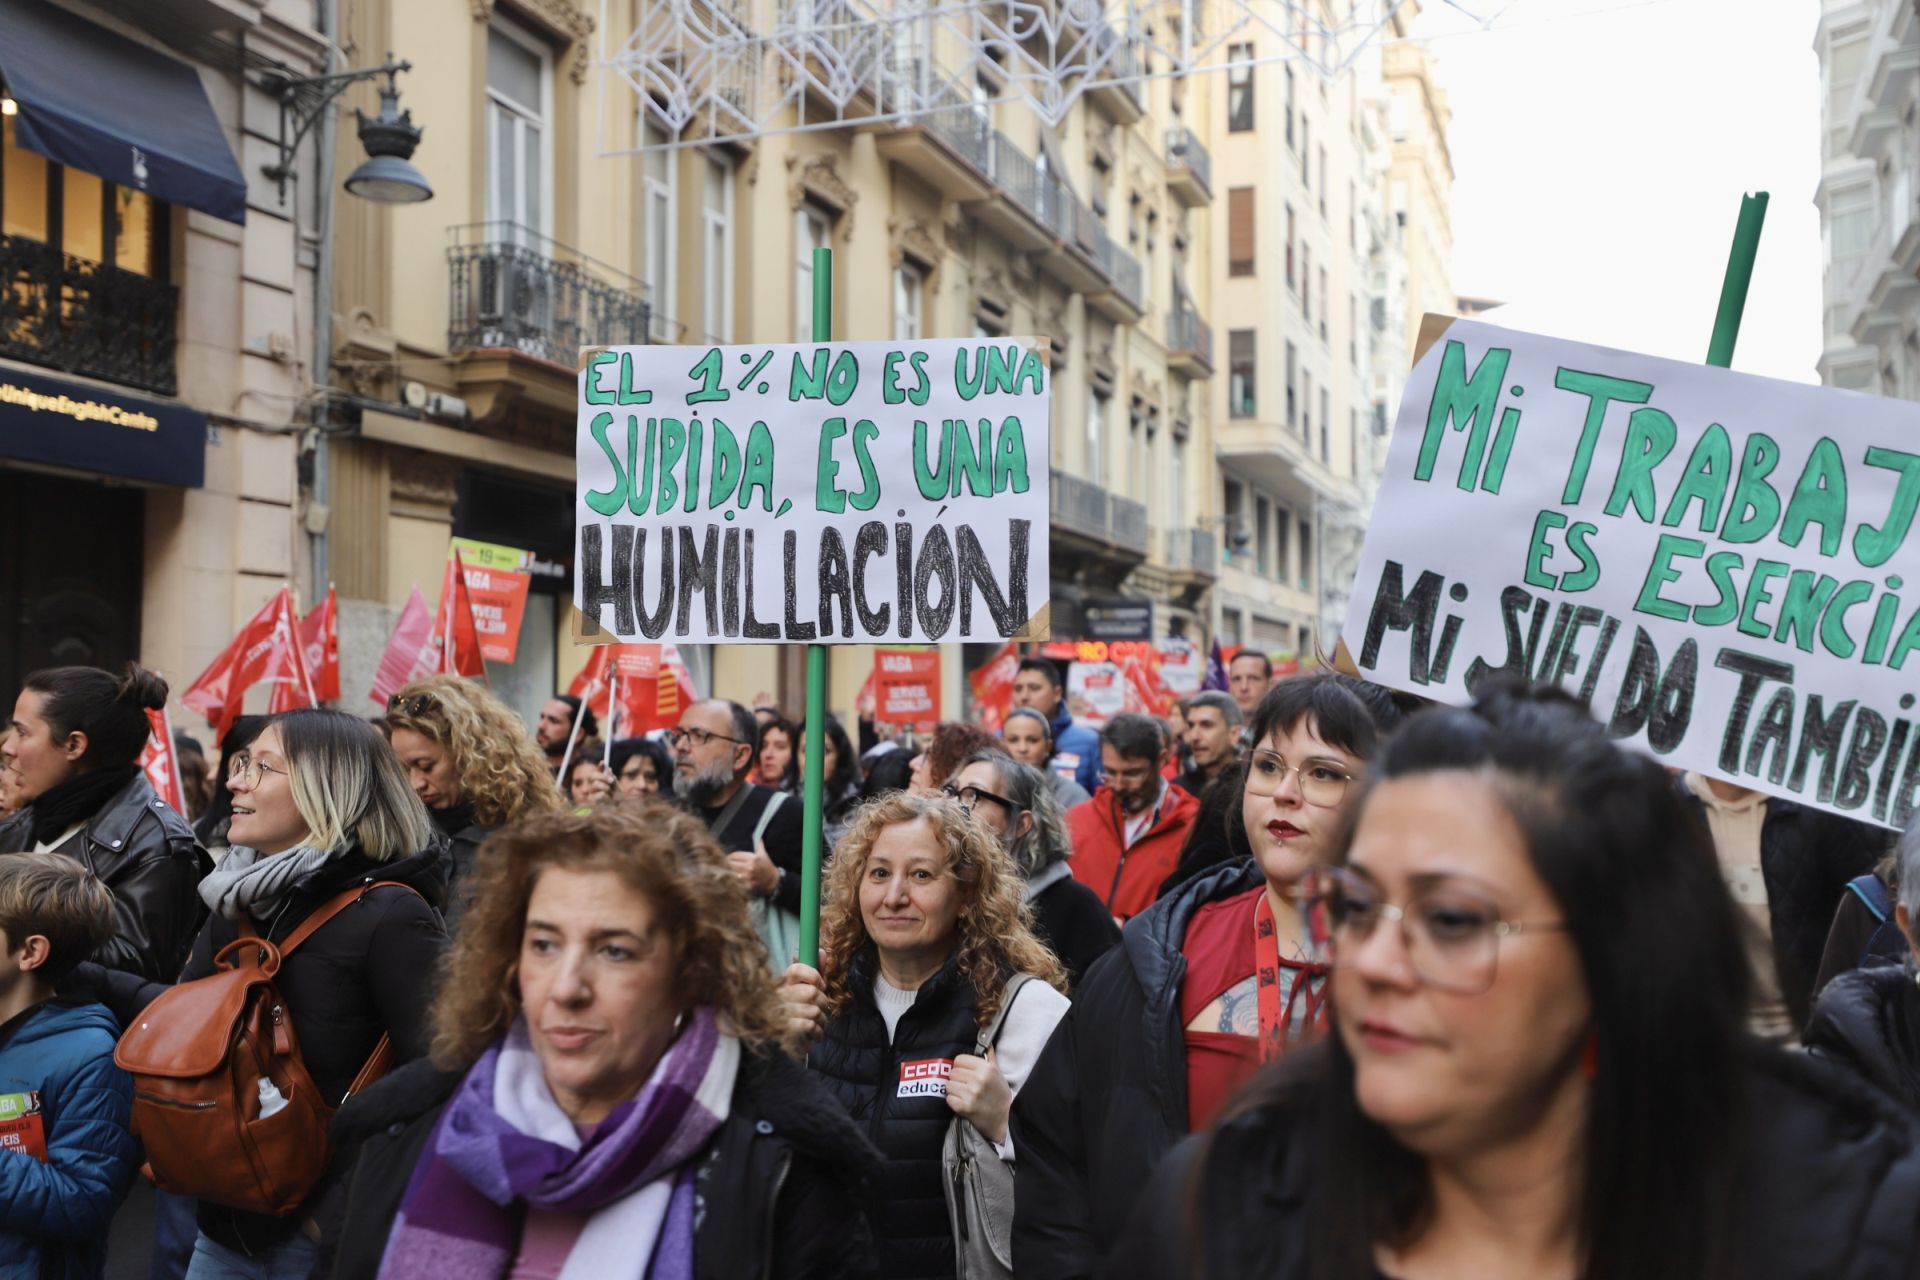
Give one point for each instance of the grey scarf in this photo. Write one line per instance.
(259, 885)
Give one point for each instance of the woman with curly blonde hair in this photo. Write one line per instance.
(608, 1093)
(471, 761)
(924, 937)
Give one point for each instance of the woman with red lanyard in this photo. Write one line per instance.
(1206, 985)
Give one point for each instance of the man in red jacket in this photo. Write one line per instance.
(1127, 839)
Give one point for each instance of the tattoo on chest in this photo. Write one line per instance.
(1240, 1009)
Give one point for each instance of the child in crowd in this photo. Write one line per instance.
(67, 1156)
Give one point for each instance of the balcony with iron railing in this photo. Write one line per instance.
(1124, 301)
(1115, 86)
(940, 136)
(84, 317)
(1189, 343)
(1096, 520)
(1189, 167)
(513, 288)
(1016, 210)
(1194, 552)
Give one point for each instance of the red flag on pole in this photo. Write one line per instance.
(411, 650)
(320, 645)
(654, 686)
(454, 629)
(160, 762)
(267, 649)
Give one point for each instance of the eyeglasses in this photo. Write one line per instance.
(971, 796)
(1451, 931)
(247, 770)
(415, 705)
(1321, 783)
(698, 737)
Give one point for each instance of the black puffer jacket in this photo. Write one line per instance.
(464, 837)
(147, 855)
(1108, 1097)
(900, 1108)
(371, 969)
(1832, 1193)
(1868, 1021)
(782, 1189)
(1806, 857)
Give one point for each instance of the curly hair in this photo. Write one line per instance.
(660, 852)
(952, 742)
(500, 769)
(995, 932)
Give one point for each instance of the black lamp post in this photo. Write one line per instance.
(387, 176)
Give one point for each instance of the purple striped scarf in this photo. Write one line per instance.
(502, 1144)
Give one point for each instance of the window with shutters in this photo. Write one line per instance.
(1293, 375)
(1326, 426)
(1289, 246)
(1240, 88)
(1306, 282)
(1240, 360)
(1240, 231)
(1289, 70)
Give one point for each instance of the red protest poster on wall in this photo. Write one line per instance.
(906, 686)
(497, 582)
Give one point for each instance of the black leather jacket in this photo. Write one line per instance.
(147, 855)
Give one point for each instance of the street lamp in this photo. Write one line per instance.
(388, 176)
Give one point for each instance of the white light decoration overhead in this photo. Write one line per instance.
(706, 74)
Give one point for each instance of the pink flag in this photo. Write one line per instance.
(412, 650)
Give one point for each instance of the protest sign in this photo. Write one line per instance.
(845, 493)
(1181, 666)
(907, 688)
(498, 581)
(1715, 562)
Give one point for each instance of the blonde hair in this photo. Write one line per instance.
(349, 786)
(501, 771)
(661, 853)
(996, 929)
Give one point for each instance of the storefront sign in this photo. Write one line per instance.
(497, 581)
(1120, 618)
(907, 688)
(67, 424)
(849, 493)
(1722, 566)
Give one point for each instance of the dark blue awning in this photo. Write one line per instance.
(96, 101)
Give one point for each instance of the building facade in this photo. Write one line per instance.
(1869, 54)
(568, 210)
(1310, 295)
(154, 336)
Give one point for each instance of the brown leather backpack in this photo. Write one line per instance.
(197, 1055)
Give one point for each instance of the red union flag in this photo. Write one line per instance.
(992, 687)
(653, 682)
(455, 631)
(412, 650)
(161, 764)
(267, 649)
(320, 646)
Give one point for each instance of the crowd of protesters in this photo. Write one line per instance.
(444, 994)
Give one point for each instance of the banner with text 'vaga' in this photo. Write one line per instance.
(1723, 566)
(859, 493)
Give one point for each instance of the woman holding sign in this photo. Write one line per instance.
(1539, 1065)
(471, 762)
(932, 1000)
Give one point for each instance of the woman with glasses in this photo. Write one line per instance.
(923, 938)
(320, 807)
(1539, 1065)
(468, 757)
(1017, 805)
(1207, 983)
(73, 753)
(1028, 736)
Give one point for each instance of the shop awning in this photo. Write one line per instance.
(96, 101)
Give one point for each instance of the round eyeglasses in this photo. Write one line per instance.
(1322, 782)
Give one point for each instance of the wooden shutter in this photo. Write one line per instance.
(1240, 231)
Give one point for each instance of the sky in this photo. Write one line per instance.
(1600, 149)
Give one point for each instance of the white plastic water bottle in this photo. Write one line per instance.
(271, 1099)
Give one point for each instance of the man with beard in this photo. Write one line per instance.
(555, 726)
(713, 752)
(1127, 839)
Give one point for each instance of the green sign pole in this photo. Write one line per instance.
(1733, 293)
(812, 785)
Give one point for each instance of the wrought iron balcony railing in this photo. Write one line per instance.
(1184, 147)
(84, 317)
(514, 288)
(1015, 173)
(1079, 505)
(1193, 551)
(1129, 523)
(1120, 266)
(1186, 331)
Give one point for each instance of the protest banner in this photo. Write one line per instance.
(839, 493)
(1181, 667)
(1714, 561)
(907, 688)
(497, 581)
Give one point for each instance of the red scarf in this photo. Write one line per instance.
(1276, 1016)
